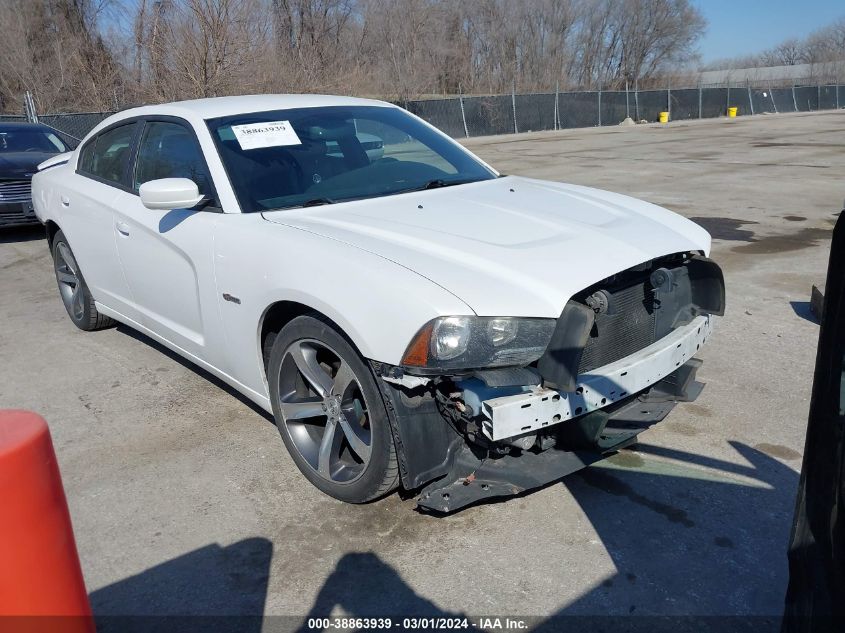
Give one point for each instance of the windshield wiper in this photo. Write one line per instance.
(434, 184)
(316, 202)
(437, 183)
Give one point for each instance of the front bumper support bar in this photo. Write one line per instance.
(514, 415)
(581, 442)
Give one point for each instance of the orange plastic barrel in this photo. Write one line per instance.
(40, 573)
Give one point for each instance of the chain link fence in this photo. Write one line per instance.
(75, 125)
(71, 128)
(469, 116)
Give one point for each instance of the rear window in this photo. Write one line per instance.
(28, 140)
(107, 155)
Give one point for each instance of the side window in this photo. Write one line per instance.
(86, 156)
(107, 155)
(169, 150)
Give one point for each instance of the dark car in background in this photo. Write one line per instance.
(22, 147)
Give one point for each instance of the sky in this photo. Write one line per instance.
(743, 27)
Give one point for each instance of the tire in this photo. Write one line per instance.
(73, 290)
(319, 385)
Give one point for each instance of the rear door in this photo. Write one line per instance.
(167, 256)
(86, 197)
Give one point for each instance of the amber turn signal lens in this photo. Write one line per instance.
(417, 353)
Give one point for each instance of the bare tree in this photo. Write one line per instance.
(787, 53)
(314, 40)
(54, 49)
(201, 48)
(74, 54)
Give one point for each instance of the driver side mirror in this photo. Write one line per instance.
(166, 194)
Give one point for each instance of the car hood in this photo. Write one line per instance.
(23, 164)
(506, 247)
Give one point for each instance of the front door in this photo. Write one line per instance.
(167, 256)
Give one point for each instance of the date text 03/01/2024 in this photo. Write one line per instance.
(433, 624)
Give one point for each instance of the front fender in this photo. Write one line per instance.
(378, 304)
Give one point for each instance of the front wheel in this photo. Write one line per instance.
(329, 412)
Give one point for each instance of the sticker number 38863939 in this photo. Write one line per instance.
(269, 134)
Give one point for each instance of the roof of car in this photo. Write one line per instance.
(8, 126)
(226, 106)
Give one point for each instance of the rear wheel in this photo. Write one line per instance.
(75, 294)
(329, 412)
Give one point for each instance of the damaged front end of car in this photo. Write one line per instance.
(492, 407)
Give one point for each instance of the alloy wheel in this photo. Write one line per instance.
(324, 412)
(70, 286)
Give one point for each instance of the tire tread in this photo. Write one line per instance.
(321, 328)
(94, 319)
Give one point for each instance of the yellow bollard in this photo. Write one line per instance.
(664, 117)
(732, 112)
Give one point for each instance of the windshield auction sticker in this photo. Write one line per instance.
(270, 134)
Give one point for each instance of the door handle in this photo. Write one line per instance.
(65, 201)
(122, 228)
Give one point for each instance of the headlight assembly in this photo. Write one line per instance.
(467, 342)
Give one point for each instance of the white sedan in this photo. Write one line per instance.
(408, 315)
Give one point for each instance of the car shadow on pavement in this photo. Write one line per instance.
(690, 534)
(697, 543)
(363, 585)
(214, 588)
(143, 338)
(13, 234)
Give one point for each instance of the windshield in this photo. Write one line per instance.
(31, 141)
(308, 156)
